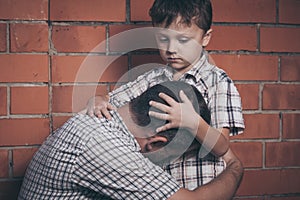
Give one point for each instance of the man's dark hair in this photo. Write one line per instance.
(139, 108)
(166, 11)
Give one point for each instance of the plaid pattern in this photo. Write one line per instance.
(221, 96)
(191, 171)
(91, 158)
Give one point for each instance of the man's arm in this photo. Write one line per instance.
(222, 187)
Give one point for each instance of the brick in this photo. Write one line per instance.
(29, 37)
(246, 67)
(78, 38)
(266, 182)
(9, 189)
(280, 154)
(88, 68)
(143, 63)
(26, 10)
(24, 68)
(279, 39)
(288, 197)
(89, 10)
(244, 11)
(250, 95)
(139, 10)
(127, 38)
(29, 100)
(258, 126)
(14, 132)
(3, 101)
(137, 60)
(65, 68)
(279, 97)
(2, 37)
(291, 126)
(249, 198)
(21, 159)
(74, 98)
(245, 38)
(289, 68)
(58, 121)
(4, 171)
(117, 29)
(289, 11)
(250, 153)
(116, 71)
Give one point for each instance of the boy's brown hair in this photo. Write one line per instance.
(164, 12)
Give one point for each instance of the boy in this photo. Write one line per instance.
(181, 48)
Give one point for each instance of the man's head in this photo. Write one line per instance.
(186, 29)
(177, 139)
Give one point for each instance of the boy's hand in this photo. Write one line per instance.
(99, 107)
(178, 114)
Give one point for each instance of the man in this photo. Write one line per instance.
(92, 158)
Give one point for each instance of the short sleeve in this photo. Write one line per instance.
(133, 89)
(226, 107)
(129, 91)
(112, 167)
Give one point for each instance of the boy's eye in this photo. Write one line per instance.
(163, 39)
(183, 40)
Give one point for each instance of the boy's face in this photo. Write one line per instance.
(180, 45)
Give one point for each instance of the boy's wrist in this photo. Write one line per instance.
(195, 123)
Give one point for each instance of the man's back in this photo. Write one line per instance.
(91, 158)
(51, 169)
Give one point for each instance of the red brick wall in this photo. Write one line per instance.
(43, 44)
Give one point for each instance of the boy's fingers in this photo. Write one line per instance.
(106, 114)
(164, 128)
(111, 107)
(98, 113)
(160, 106)
(167, 98)
(89, 111)
(183, 96)
(157, 115)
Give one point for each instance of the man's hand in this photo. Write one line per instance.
(178, 114)
(99, 106)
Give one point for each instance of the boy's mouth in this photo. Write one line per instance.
(174, 59)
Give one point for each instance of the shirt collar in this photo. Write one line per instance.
(198, 67)
(194, 72)
(121, 125)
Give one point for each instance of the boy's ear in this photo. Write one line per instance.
(206, 38)
(156, 142)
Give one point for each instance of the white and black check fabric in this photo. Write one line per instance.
(91, 158)
(223, 101)
(191, 171)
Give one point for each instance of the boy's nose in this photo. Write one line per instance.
(172, 47)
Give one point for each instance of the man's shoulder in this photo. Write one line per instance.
(80, 120)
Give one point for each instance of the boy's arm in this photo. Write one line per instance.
(184, 115)
(100, 105)
(214, 140)
(222, 187)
